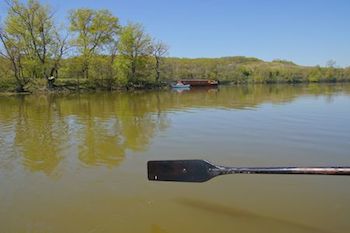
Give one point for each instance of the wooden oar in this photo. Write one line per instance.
(201, 170)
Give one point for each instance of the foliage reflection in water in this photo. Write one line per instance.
(76, 163)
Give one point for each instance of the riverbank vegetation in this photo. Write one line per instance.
(94, 51)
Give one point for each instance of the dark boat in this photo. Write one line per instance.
(200, 82)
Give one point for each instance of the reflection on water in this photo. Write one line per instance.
(76, 163)
(100, 127)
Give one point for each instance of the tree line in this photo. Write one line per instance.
(96, 51)
(242, 70)
(94, 46)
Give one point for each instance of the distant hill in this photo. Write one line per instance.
(242, 69)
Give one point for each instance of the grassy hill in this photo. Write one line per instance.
(250, 70)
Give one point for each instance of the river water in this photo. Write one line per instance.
(77, 163)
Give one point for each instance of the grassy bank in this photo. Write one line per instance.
(9, 86)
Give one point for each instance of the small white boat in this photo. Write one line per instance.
(180, 85)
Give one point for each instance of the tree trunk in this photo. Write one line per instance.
(86, 68)
(157, 70)
(19, 88)
(86, 71)
(52, 77)
(133, 71)
(50, 83)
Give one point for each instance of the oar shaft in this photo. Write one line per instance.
(283, 170)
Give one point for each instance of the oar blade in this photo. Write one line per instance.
(179, 170)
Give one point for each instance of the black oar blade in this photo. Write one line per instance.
(179, 170)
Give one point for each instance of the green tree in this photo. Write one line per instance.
(31, 41)
(135, 49)
(159, 50)
(12, 51)
(94, 31)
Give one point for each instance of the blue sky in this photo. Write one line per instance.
(308, 32)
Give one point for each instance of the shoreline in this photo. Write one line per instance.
(64, 89)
